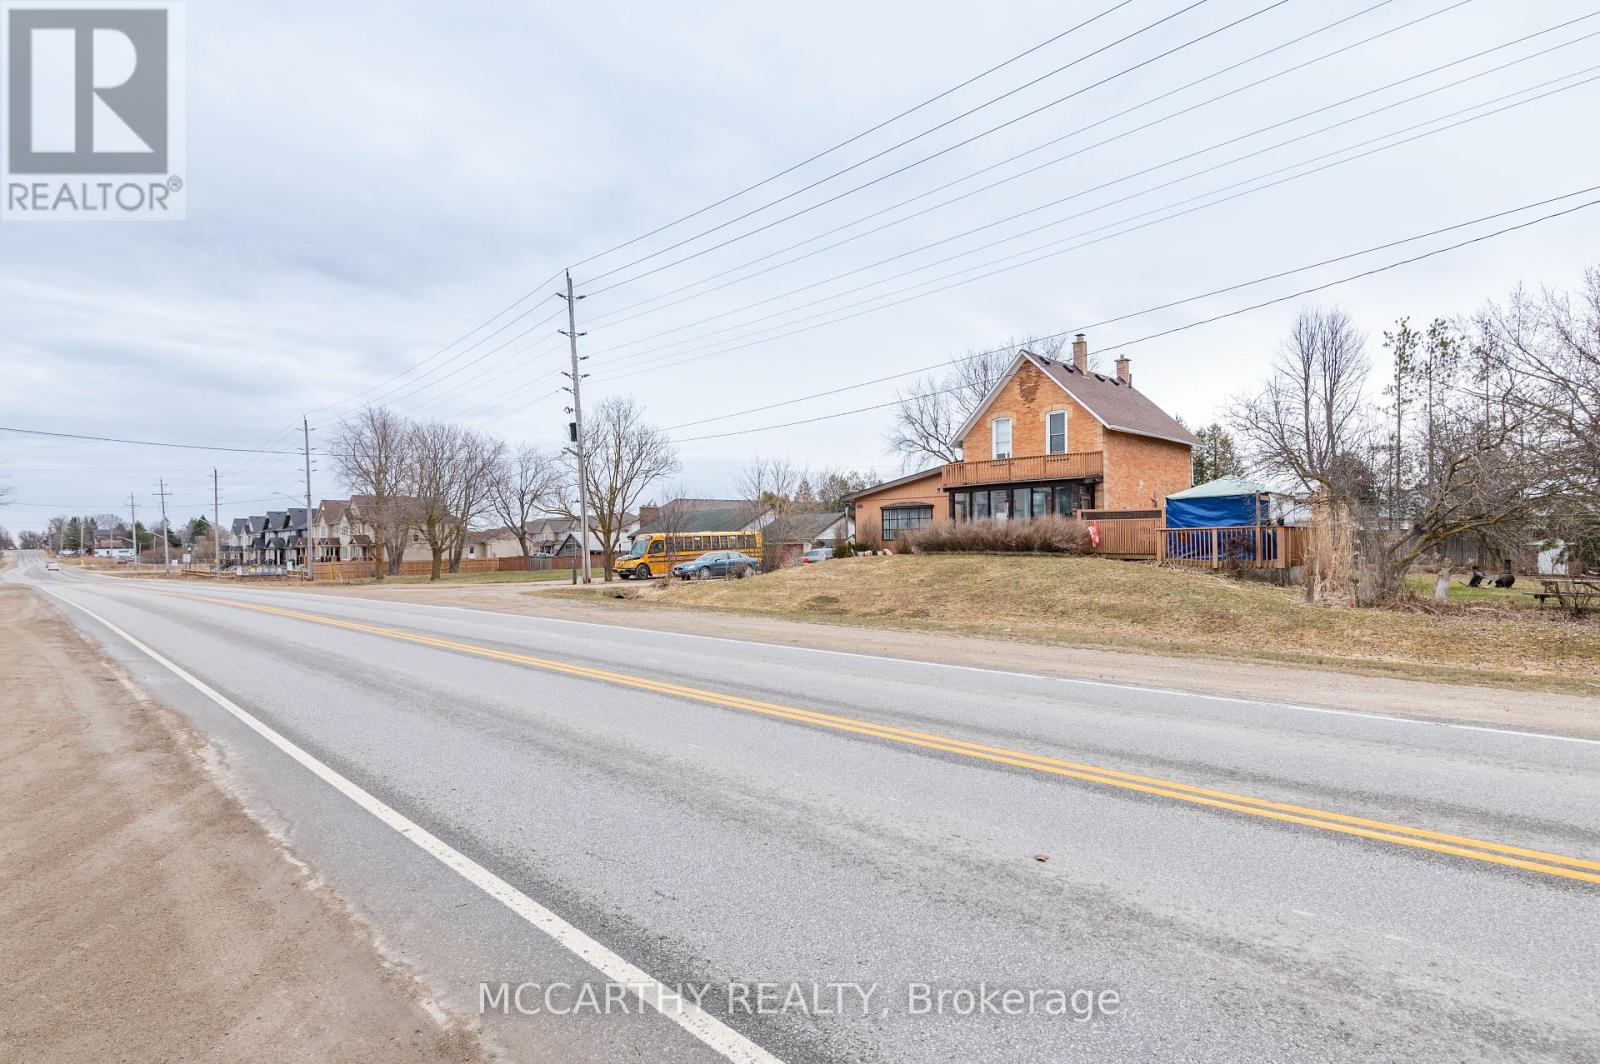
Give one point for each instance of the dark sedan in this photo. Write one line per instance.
(719, 563)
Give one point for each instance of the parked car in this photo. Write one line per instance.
(52, 567)
(717, 564)
(816, 554)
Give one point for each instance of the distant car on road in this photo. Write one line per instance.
(718, 563)
(52, 567)
(816, 554)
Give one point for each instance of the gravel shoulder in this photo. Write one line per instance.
(1536, 710)
(145, 916)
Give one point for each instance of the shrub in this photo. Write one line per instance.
(1042, 535)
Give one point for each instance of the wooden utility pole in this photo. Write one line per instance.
(166, 531)
(311, 572)
(216, 522)
(577, 432)
(133, 528)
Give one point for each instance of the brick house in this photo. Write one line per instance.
(1051, 437)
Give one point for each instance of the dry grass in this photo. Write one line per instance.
(1043, 535)
(1100, 602)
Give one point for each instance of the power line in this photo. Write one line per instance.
(1082, 328)
(412, 385)
(1242, 310)
(1104, 185)
(508, 397)
(851, 140)
(140, 443)
(535, 350)
(1147, 170)
(442, 351)
(418, 365)
(927, 158)
(1023, 154)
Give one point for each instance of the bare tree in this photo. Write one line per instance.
(437, 458)
(478, 461)
(1308, 425)
(925, 423)
(931, 410)
(625, 457)
(1551, 343)
(524, 483)
(769, 486)
(1485, 471)
(372, 452)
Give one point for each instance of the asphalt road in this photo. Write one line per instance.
(1226, 880)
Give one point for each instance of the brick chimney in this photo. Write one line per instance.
(1080, 353)
(1125, 371)
(649, 513)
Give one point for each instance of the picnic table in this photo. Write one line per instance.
(1571, 592)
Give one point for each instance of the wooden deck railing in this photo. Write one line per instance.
(1034, 467)
(1125, 534)
(1250, 547)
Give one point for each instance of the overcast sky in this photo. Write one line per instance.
(371, 181)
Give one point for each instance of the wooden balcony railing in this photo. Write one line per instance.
(1071, 466)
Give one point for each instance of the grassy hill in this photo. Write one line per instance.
(1100, 602)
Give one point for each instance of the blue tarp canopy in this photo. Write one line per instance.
(1229, 502)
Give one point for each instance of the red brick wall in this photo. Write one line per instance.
(1026, 399)
(1141, 471)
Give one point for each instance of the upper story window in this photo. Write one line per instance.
(1001, 430)
(1055, 432)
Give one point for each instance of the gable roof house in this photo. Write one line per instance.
(1051, 437)
(702, 515)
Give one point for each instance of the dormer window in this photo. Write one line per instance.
(1055, 432)
(1000, 429)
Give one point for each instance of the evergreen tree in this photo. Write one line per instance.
(1214, 455)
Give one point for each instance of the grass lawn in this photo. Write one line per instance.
(1126, 605)
(1519, 597)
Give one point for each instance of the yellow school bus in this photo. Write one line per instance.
(655, 554)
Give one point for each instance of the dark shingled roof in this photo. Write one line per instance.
(797, 527)
(727, 519)
(1118, 405)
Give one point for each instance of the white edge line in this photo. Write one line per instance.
(727, 1042)
(1180, 692)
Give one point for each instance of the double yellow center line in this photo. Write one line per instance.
(1381, 831)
